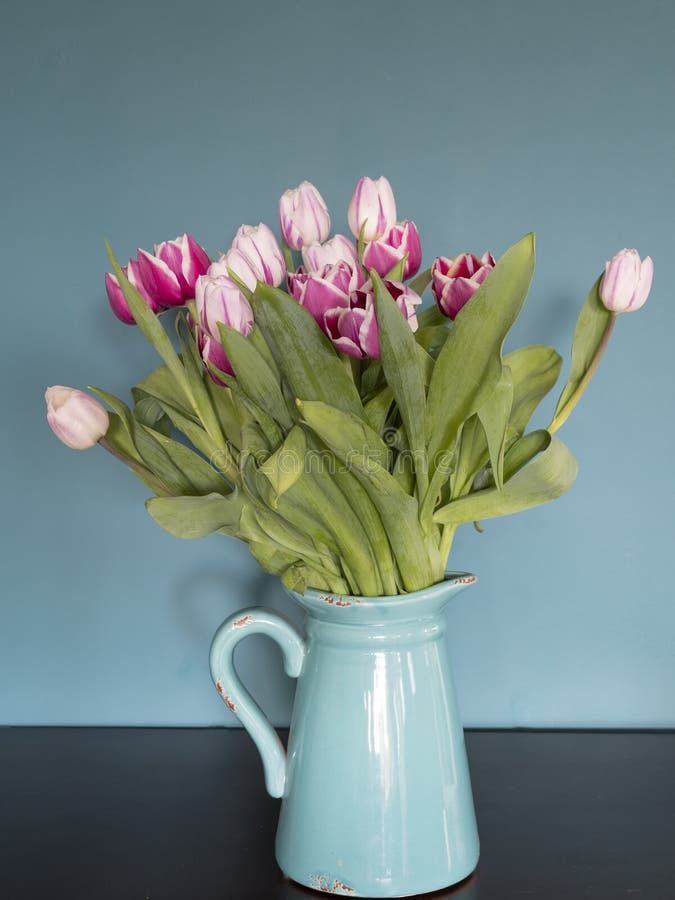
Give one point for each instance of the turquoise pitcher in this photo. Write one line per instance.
(375, 783)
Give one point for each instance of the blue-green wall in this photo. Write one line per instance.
(137, 121)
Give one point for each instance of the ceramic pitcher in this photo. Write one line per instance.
(375, 783)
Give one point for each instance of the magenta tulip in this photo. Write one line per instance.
(353, 329)
(262, 251)
(303, 216)
(211, 351)
(399, 241)
(338, 249)
(372, 203)
(627, 281)
(170, 275)
(76, 418)
(116, 296)
(455, 281)
(328, 289)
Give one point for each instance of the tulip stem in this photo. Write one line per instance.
(447, 537)
(145, 475)
(564, 413)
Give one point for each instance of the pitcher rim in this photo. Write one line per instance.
(319, 599)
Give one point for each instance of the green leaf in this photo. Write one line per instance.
(360, 449)
(420, 282)
(195, 374)
(545, 478)
(591, 326)
(377, 409)
(162, 385)
(306, 358)
(525, 449)
(405, 375)
(147, 411)
(119, 443)
(221, 457)
(287, 464)
(254, 376)
(494, 417)
(473, 455)
(535, 370)
(149, 324)
(469, 365)
(431, 317)
(432, 338)
(203, 477)
(194, 517)
(396, 272)
(592, 331)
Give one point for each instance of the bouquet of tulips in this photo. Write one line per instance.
(326, 421)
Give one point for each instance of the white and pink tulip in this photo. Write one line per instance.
(76, 418)
(303, 216)
(372, 205)
(627, 281)
(455, 281)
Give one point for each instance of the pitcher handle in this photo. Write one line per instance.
(239, 701)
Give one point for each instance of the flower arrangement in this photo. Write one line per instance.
(338, 430)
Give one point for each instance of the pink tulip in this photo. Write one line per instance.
(327, 289)
(211, 351)
(399, 241)
(116, 297)
(218, 299)
(170, 274)
(76, 418)
(373, 203)
(454, 281)
(317, 256)
(303, 216)
(353, 329)
(262, 251)
(627, 281)
(236, 261)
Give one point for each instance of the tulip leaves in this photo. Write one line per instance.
(592, 332)
(404, 372)
(545, 478)
(347, 474)
(303, 353)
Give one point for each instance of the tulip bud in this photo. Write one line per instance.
(317, 256)
(262, 250)
(627, 281)
(398, 241)
(303, 216)
(453, 282)
(373, 203)
(116, 296)
(76, 418)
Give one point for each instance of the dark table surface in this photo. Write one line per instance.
(158, 814)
